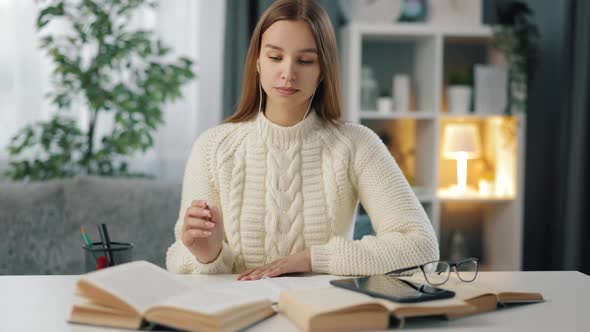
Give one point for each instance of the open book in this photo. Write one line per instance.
(332, 308)
(129, 295)
(482, 297)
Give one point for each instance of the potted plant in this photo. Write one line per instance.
(516, 36)
(109, 67)
(459, 91)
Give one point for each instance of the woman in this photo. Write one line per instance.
(274, 190)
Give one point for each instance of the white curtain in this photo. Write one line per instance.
(25, 71)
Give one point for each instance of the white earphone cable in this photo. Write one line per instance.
(259, 108)
(260, 104)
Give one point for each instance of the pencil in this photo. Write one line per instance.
(106, 243)
(87, 240)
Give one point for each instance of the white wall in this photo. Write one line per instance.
(175, 144)
(211, 63)
(178, 25)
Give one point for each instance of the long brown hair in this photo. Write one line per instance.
(327, 97)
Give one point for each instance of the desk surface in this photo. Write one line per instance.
(42, 303)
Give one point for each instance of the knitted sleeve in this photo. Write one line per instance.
(198, 184)
(404, 236)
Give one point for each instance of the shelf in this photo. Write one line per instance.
(392, 30)
(471, 195)
(424, 195)
(428, 54)
(483, 31)
(473, 116)
(418, 29)
(426, 198)
(375, 115)
(474, 199)
(420, 115)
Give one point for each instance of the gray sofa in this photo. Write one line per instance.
(40, 222)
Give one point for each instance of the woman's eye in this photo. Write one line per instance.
(303, 62)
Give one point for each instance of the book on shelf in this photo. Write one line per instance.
(490, 89)
(135, 294)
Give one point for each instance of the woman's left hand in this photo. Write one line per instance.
(299, 262)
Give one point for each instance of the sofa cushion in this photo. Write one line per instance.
(32, 227)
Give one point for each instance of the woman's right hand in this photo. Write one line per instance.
(202, 232)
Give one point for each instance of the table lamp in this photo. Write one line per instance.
(461, 142)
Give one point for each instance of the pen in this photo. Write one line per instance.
(106, 243)
(87, 241)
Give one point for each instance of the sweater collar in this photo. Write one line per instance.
(285, 136)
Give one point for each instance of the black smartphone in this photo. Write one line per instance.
(393, 289)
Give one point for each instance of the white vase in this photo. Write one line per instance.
(369, 92)
(384, 105)
(401, 92)
(459, 97)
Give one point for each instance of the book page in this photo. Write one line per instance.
(327, 299)
(140, 284)
(471, 290)
(81, 302)
(463, 290)
(271, 288)
(520, 297)
(253, 290)
(440, 303)
(214, 301)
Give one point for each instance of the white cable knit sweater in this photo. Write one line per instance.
(297, 187)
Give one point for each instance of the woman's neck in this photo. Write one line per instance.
(285, 115)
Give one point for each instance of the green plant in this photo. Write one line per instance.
(110, 68)
(461, 76)
(516, 36)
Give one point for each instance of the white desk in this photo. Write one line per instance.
(42, 303)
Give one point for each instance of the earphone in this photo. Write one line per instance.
(260, 99)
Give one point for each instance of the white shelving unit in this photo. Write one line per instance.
(427, 54)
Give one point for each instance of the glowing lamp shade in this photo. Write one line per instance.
(461, 142)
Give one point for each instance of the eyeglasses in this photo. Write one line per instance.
(438, 272)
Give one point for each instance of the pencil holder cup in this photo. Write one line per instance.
(96, 257)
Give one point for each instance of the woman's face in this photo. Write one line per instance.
(289, 64)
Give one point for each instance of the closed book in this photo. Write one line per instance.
(491, 83)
